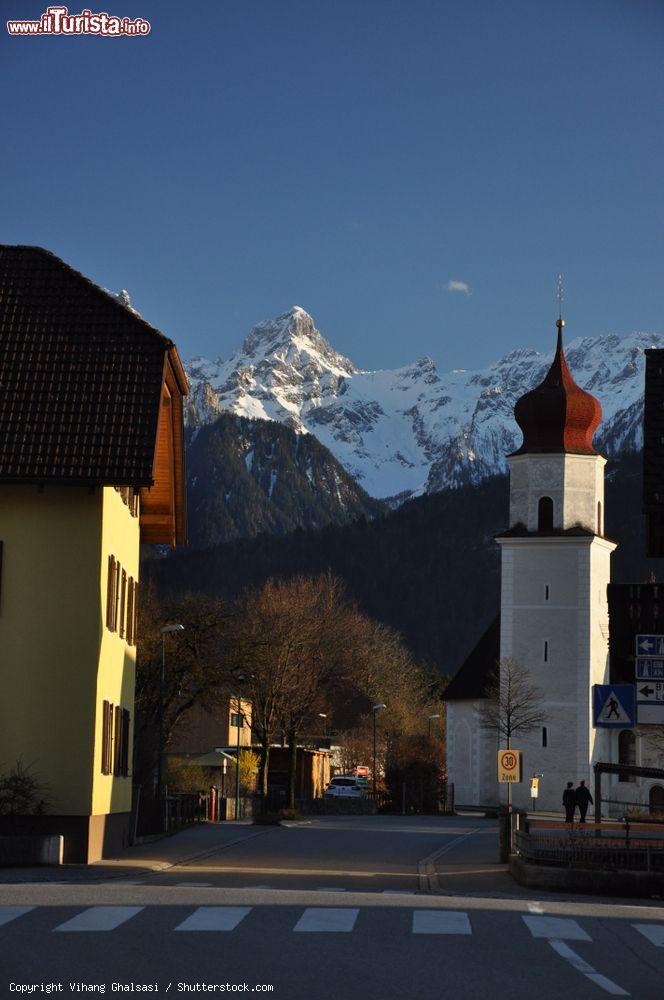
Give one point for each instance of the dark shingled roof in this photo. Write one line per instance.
(478, 669)
(80, 377)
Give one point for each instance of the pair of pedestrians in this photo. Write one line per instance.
(573, 797)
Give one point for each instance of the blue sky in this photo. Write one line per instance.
(352, 157)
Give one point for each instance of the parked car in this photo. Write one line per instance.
(344, 787)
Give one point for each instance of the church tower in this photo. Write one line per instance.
(555, 569)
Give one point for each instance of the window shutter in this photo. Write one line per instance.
(135, 612)
(110, 600)
(124, 762)
(130, 611)
(107, 738)
(117, 735)
(116, 595)
(123, 603)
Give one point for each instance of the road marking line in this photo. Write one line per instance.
(582, 966)
(654, 933)
(8, 913)
(327, 919)
(426, 868)
(100, 918)
(560, 928)
(565, 951)
(441, 922)
(214, 918)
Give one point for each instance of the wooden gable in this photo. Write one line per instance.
(163, 515)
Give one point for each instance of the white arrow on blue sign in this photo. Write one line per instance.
(648, 669)
(650, 645)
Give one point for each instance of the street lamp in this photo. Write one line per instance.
(375, 708)
(165, 630)
(436, 715)
(323, 715)
(239, 679)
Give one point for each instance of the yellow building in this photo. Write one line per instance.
(91, 464)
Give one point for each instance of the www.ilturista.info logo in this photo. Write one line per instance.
(58, 21)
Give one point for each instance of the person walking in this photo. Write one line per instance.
(569, 802)
(583, 797)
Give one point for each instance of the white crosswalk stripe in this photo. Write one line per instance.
(327, 919)
(587, 970)
(558, 928)
(100, 918)
(214, 918)
(654, 933)
(8, 913)
(441, 922)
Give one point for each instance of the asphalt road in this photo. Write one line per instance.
(336, 909)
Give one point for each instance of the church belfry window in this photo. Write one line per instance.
(545, 736)
(545, 514)
(546, 650)
(547, 592)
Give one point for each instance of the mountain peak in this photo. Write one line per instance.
(290, 336)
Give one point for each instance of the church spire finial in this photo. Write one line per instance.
(560, 321)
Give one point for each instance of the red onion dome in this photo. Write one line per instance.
(558, 415)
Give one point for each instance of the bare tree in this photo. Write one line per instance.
(513, 705)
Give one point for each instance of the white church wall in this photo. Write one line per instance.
(575, 484)
(471, 756)
(560, 637)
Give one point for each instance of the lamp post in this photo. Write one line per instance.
(375, 708)
(238, 719)
(430, 719)
(323, 715)
(165, 630)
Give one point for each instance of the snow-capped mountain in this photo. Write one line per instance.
(410, 430)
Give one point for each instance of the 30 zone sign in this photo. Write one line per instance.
(509, 765)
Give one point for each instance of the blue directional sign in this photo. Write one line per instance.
(614, 706)
(648, 669)
(650, 645)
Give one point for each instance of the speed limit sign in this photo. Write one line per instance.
(509, 765)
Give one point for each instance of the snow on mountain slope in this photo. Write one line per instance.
(410, 430)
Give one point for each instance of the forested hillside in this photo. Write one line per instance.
(429, 569)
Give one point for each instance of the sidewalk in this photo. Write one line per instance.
(144, 859)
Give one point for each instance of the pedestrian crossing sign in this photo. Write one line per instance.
(613, 706)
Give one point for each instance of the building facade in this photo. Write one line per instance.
(555, 568)
(91, 465)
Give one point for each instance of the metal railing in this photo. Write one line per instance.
(609, 854)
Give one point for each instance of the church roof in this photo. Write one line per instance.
(558, 415)
(478, 670)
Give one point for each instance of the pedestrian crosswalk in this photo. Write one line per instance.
(322, 920)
